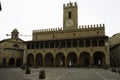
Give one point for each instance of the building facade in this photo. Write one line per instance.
(11, 50)
(71, 45)
(115, 55)
(115, 50)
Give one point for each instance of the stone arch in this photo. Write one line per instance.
(48, 60)
(39, 60)
(11, 62)
(16, 45)
(84, 58)
(18, 62)
(71, 59)
(99, 58)
(60, 59)
(30, 59)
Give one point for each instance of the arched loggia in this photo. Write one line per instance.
(39, 60)
(71, 59)
(84, 59)
(99, 58)
(30, 59)
(11, 62)
(60, 60)
(48, 60)
(18, 62)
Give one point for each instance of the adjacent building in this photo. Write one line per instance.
(11, 50)
(115, 50)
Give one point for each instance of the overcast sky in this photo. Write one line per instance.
(29, 15)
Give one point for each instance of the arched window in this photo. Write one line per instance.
(87, 43)
(41, 45)
(94, 43)
(37, 45)
(81, 43)
(74, 44)
(68, 44)
(62, 44)
(16, 45)
(51, 45)
(57, 45)
(101, 43)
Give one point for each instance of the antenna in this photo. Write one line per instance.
(20, 35)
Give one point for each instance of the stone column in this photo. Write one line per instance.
(66, 63)
(91, 61)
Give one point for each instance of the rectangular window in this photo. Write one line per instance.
(69, 15)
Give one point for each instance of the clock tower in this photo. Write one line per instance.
(70, 16)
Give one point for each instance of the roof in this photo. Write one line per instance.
(115, 39)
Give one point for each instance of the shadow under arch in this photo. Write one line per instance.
(84, 59)
(11, 62)
(30, 60)
(18, 62)
(60, 60)
(39, 60)
(99, 58)
(71, 59)
(48, 60)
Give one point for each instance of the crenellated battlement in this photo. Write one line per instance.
(81, 27)
(68, 5)
(47, 30)
(91, 26)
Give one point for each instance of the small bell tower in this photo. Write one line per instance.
(15, 33)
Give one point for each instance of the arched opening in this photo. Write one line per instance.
(99, 58)
(84, 59)
(18, 62)
(74, 44)
(11, 62)
(16, 45)
(94, 43)
(71, 59)
(68, 44)
(87, 43)
(63, 44)
(57, 45)
(30, 59)
(52, 45)
(48, 60)
(60, 60)
(46, 45)
(4, 62)
(81, 43)
(39, 60)
(101, 42)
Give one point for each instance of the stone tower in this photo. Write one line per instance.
(70, 16)
(15, 33)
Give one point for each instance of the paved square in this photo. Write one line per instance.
(59, 74)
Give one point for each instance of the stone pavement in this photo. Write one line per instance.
(59, 74)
